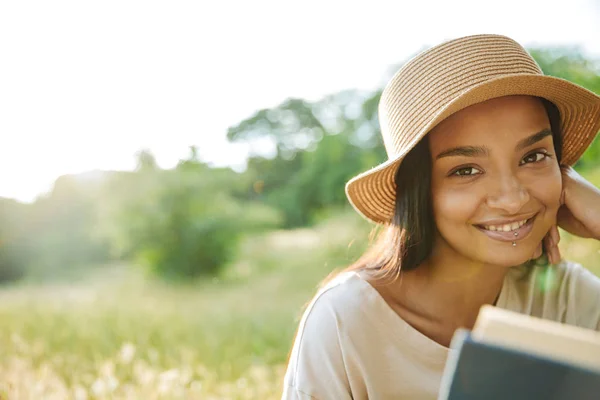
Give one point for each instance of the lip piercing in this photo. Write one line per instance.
(514, 244)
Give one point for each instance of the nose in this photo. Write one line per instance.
(508, 194)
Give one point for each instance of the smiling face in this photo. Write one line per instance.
(494, 174)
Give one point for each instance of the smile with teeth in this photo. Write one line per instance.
(506, 227)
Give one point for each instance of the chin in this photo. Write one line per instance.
(480, 248)
(507, 260)
(502, 254)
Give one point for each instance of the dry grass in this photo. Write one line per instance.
(116, 335)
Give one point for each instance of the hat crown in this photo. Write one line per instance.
(427, 83)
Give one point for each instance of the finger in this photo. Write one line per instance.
(548, 245)
(555, 255)
(558, 257)
(538, 251)
(564, 170)
(555, 235)
(553, 251)
(567, 221)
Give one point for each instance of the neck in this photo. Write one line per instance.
(450, 289)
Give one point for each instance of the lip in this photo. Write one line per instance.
(522, 231)
(507, 220)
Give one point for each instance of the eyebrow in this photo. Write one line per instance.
(482, 151)
(536, 137)
(466, 151)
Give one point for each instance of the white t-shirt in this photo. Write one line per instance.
(351, 344)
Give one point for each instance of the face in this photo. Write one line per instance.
(495, 180)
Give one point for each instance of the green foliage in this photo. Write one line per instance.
(570, 64)
(60, 229)
(179, 224)
(293, 126)
(12, 241)
(320, 183)
(52, 236)
(319, 147)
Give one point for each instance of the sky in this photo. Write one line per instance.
(86, 85)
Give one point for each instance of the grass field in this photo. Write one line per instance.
(116, 335)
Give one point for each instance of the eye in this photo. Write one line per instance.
(466, 171)
(534, 157)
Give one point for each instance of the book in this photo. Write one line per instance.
(508, 355)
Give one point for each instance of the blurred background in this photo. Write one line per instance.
(172, 176)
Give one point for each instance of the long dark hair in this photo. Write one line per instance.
(405, 242)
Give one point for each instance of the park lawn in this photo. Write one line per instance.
(117, 335)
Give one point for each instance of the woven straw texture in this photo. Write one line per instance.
(448, 78)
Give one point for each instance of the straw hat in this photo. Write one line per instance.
(450, 77)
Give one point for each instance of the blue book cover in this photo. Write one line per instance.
(479, 370)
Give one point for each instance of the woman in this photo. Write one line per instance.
(477, 181)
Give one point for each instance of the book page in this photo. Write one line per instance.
(545, 338)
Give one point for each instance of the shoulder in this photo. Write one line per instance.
(334, 309)
(577, 276)
(340, 300)
(319, 349)
(580, 289)
(566, 292)
(571, 280)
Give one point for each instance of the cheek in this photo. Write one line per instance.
(455, 205)
(546, 189)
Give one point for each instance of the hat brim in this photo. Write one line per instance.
(373, 192)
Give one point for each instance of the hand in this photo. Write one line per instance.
(579, 213)
(550, 243)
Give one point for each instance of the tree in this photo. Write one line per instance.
(570, 64)
(292, 127)
(13, 245)
(177, 224)
(346, 121)
(146, 161)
